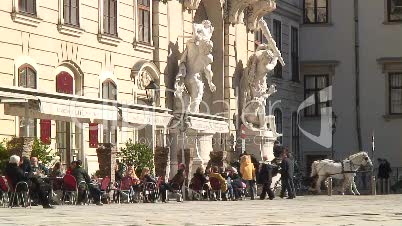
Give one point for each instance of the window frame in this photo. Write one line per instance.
(295, 135)
(294, 55)
(25, 10)
(141, 7)
(390, 88)
(279, 123)
(70, 10)
(277, 28)
(104, 24)
(316, 91)
(27, 67)
(389, 13)
(110, 82)
(315, 13)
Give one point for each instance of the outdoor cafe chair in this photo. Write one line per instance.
(4, 191)
(126, 189)
(215, 188)
(105, 188)
(19, 194)
(70, 189)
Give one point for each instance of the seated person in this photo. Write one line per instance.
(236, 183)
(81, 175)
(130, 172)
(16, 174)
(57, 170)
(175, 183)
(215, 174)
(37, 167)
(199, 179)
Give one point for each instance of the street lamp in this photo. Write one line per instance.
(334, 117)
(185, 123)
(150, 91)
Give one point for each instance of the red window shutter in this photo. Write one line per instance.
(45, 130)
(64, 83)
(93, 135)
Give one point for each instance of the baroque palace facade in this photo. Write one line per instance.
(78, 73)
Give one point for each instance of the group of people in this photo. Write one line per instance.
(233, 181)
(233, 184)
(39, 179)
(122, 171)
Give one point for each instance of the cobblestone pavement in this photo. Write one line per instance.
(308, 210)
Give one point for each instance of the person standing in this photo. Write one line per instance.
(287, 171)
(265, 178)
(247, 171)
(384, 171)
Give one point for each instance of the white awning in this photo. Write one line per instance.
(137, 117)
(64, 107)
(65, 110)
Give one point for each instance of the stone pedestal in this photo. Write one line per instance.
(260, 143)
(198, 140)
(161, 160)
(107, 154)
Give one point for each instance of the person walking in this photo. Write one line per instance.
(265, 178)
(384, 171)
(247, 171)
(287, 171)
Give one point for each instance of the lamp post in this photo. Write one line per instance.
(183, 127)
(333, 127)
(150, 91)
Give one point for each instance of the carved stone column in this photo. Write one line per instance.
(107, 154)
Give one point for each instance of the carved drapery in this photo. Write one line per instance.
(256, 11)
(193, 4)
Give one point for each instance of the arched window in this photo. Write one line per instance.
(278, 122)
(27, 76)
(109, 90)
(64, 83)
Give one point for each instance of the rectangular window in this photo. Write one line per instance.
(110, 17)
(315, 11)
(110, 133)
(27, 127)
(27, 6)
(295, 54)
(395, 93)
(313, 84)
(394, 10)
(144, 19)
(278, 39)
(71, 12)
(295, 136)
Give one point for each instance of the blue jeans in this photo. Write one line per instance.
(250, 184)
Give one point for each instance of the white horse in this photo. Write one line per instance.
(345, 170)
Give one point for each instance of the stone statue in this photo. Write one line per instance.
(195, 61)
(254, 90)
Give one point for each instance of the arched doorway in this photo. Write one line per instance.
(211, 10)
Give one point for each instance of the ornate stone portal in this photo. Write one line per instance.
(260, 128)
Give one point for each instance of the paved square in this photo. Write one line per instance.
(308, 210)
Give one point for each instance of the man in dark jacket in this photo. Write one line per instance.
(265, 178)
(81, 175)
(15, 174)
(287, 171)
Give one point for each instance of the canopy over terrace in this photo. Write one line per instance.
(70, 108)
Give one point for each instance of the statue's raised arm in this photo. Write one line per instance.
(271, 42)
